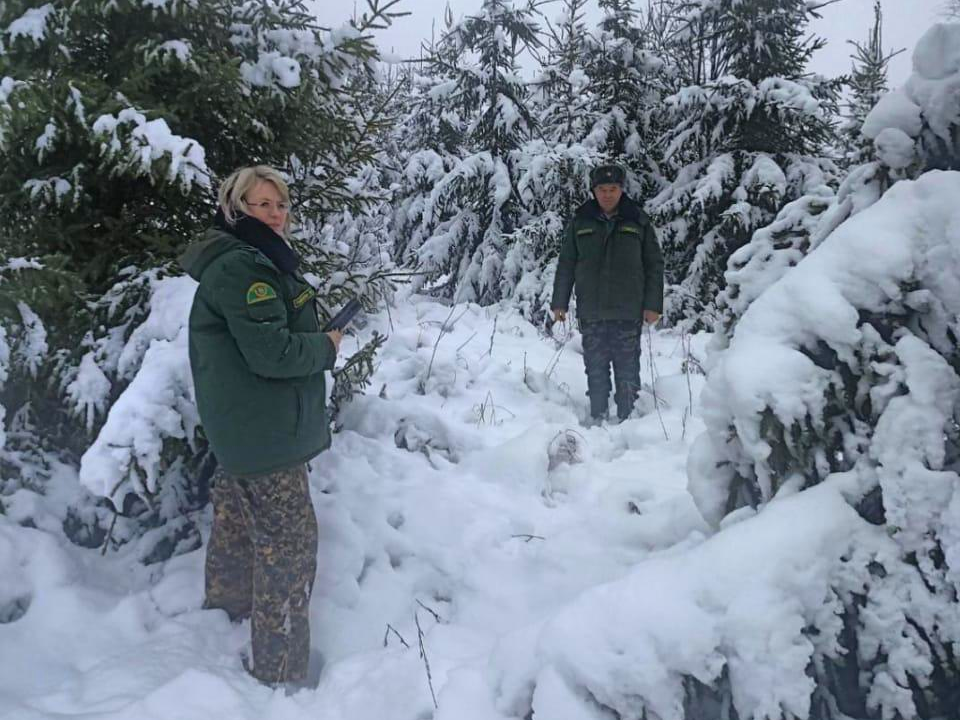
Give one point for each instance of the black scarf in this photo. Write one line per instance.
(254, 232)
(627, 209)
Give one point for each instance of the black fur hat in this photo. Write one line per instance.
(607, 174)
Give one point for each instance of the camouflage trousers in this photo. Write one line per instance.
(261, 563)
(616, 343)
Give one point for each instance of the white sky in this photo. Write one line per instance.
(904, 22)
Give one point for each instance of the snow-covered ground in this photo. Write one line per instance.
(543, 561)
(483, 499)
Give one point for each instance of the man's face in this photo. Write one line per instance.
(608, 196)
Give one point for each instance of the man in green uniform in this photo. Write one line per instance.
(610, 254)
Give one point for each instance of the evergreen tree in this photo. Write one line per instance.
(467, 221)
(883, 415)
(562, 91)
(116, 121)
(868, 83)
(428, 141)
(742, 145)
(554, 166)
(627, 85)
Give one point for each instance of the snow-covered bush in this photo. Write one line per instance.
(157, 404)
(840, 359)
(798, 229)
(918, 123)
(847, 365)
(803, 224)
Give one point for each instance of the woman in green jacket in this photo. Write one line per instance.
(258, 358)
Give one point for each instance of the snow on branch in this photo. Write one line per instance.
(157, 405)
(32, 24)
(138, 147)
(272, 68)
(921, 119)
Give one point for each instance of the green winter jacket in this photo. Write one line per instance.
(615, 264)
(257, 356)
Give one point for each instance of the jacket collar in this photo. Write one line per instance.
(258, 234)
(626, 210)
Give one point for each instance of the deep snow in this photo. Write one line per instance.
(446, 522)
(545, 562)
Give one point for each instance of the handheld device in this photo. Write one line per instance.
(344, 317)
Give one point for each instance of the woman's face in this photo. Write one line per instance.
(265, 203)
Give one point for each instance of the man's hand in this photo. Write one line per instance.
(336, 336)
(650, 316)
(559, 315)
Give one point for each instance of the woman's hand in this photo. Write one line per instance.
(336, 336)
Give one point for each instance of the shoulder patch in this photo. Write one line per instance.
(585, 231)
(632, 229)
(260, 291)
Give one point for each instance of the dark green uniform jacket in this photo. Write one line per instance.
(257, 356)
(615, 263)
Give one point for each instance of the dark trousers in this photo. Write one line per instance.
(616, 343)
(261, 563)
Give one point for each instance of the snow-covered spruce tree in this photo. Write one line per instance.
(845, 370)
(117, 119)
(746, 141)
(868, 82)
(554, 165)
(886, 136)
(348, 252)
(89, 186)
(466, 223)
(427, 142)
(627, 85)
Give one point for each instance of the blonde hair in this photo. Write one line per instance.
(242, 181)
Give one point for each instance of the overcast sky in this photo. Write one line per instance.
(904, 22)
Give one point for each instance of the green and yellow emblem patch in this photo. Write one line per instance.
(260, 291)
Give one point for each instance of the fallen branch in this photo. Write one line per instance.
(109, 537)
(443, 330)
(653, 380)
(467, 341)
(686, 343)
(426, 661)
(392, 629)
(433, 612)
(527, 538)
